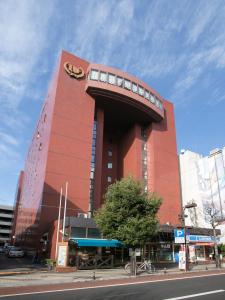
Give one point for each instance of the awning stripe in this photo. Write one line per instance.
(82, 242)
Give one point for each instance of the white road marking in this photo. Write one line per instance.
(196, 295)
(109, 285)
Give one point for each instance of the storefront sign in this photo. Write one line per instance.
(200, 239)
(165, 246)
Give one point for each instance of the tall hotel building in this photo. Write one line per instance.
(203, 182)
(97, 125)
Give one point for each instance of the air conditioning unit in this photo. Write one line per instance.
(82, 215)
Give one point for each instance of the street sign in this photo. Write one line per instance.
(179, 236)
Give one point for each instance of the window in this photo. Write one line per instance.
(109, 179)
(127, 84)
(109, 152)
(140, 91)
(103, 76)
(93, 233)
(147, 94)
(152, 98)
(112, 79)
(120, 81)
(157, 102)
(134, 87)
(109, 165)
(40, 147)
(94, 74)
(38, 135)
(78, 232)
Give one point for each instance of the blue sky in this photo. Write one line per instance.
(177, 47)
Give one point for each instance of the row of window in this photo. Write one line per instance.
(126, 84)
(92, 174)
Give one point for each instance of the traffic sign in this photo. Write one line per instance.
(179, 236)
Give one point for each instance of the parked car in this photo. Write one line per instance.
(7, 248)
(15, 252)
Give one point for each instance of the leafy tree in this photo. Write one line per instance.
(129, 214)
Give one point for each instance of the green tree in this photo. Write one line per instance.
(129, 214)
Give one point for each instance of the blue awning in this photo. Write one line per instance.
(96, 242)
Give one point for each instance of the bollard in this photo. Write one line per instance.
(165, 271)
(93, 277)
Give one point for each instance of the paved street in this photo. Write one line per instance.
(200, 286)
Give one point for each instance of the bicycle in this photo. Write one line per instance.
(145, 266)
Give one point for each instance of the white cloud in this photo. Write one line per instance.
(9, 139)
(205, 13)
(23, 30)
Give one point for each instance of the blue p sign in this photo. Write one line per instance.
(179, 232)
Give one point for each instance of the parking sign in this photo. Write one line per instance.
(179, 236)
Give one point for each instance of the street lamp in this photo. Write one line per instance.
(182, 217)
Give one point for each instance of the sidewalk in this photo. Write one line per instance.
(32, 277)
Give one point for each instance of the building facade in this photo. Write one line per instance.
(97, 125)
(6, 223)
(203, 182)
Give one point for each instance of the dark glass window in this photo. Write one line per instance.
(78, 232)
(94, 233)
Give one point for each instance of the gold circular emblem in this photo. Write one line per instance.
(73, 71)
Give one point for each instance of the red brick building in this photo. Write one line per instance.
(97, 124)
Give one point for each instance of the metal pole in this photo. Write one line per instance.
(57, 237)
(64, 217)
(216, 247)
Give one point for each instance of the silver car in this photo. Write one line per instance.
(15, 252)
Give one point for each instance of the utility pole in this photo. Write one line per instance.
(58, 225)
(64, 217)
(182, 217)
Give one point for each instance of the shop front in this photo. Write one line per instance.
(201, 248)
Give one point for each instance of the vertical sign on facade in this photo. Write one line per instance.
(62, 255)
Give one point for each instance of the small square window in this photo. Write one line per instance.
(112, 79)
(127, 84)
(160, 105)
(147, 94)
(120, 81)
(152, 98)
(109, 179)
(109, 152)
(134, 87)
(94, 74)
(140, 91)
(109, 165)
(103, 76)
(157, 102)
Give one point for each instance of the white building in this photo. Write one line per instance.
(6, 223)
(203, 182)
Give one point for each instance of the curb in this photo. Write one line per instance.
(11, 273)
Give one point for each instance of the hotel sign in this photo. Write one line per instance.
(73, 71)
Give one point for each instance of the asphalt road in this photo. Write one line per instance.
(14, 262)
(208, 287)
